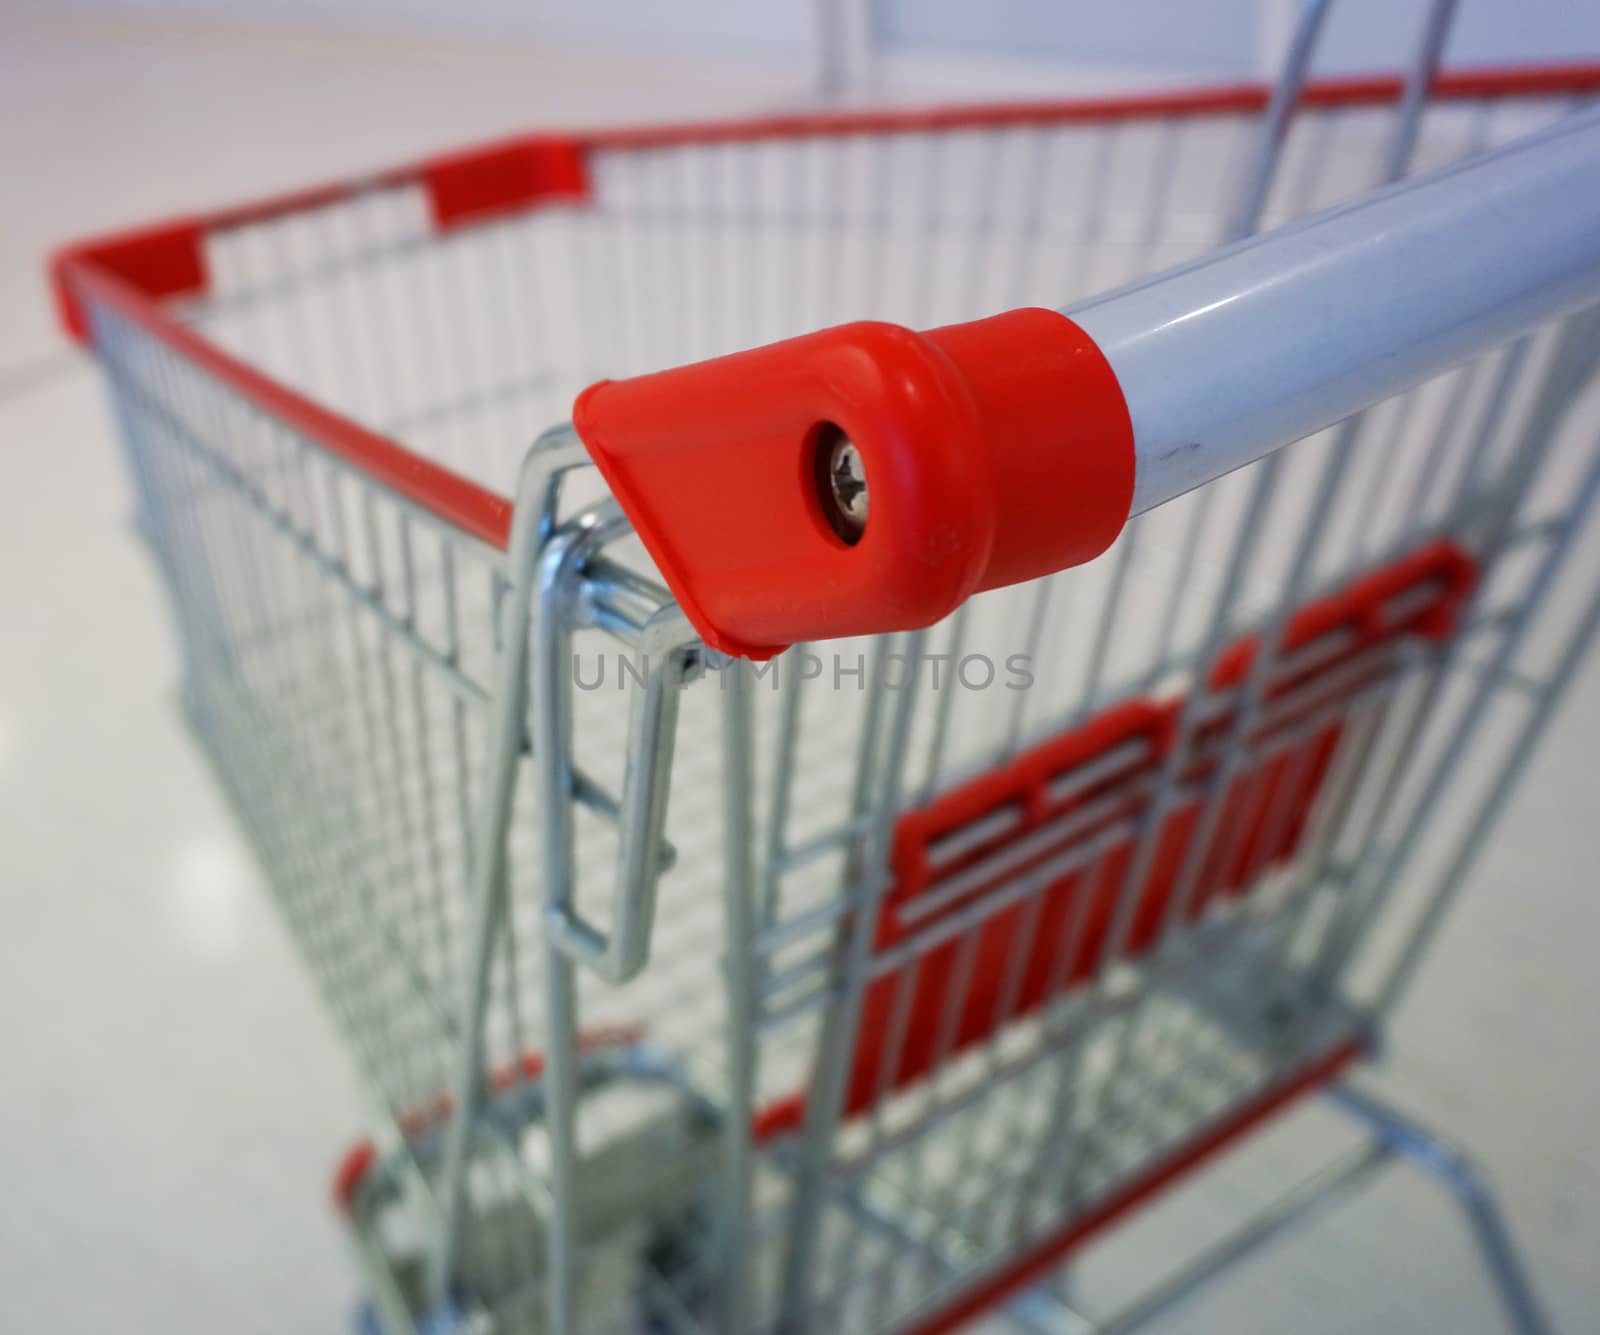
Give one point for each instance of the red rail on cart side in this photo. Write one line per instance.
(146, 265)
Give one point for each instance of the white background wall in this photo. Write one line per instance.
(1237, 38)
(1128, 39)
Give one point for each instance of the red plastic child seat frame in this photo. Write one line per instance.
(1053, 801)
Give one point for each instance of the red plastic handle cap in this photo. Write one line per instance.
(990, 452)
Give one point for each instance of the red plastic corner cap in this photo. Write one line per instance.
(164, 261)
(992, 452)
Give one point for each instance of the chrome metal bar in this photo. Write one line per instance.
(825, 1098)
(1378, 876)
(783, 777)
(1295, 1207)
(538, 497)
(741, 970)
(619, 952)
(549, 681)
(1467, 1182)
(1335, 472)
(1484, 820)
(1408, 122)
(1275, 123)
(389, 1304)
(1420, 244)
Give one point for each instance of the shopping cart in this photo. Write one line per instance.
(1062, 779)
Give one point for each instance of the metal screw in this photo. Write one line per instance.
(847, 488)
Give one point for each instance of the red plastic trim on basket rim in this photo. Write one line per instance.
(358, 1161)
(477, 184)
(508, 174)
(451, 497)
(135, 270)
(1228, 99)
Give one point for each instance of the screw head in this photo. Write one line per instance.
(845, 496)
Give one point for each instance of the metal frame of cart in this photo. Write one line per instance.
(906, 992)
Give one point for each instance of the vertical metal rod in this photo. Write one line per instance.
(1053, 1158)
(550, 692)
(1572, 364)
(866, 770)
(1299, 1205)
(740, 982)
(1038, 610)
(534, 516)
(1375, 764)
(944, 705)
(1415, 98)
(783, 770)
(837, 1043)
(1459, 1175)
(1246, 709)
(1275, 124)
(1334, 475)
(1493, 415)
(561, 1126)
(1246, 222)
(845, 31)
(1484, 819)
(1110, 618)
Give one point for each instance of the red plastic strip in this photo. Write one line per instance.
(506, 178)
(473, 185)
(167, 259)
(1031, 806)
(513, 174)
(142, 267)
(993, 452)
(158, 262)
(453, 498)
(979, 963)
(351, 1173)
(1038, 1262)
(1492, 83)
(1361, 612)
(1567, 80)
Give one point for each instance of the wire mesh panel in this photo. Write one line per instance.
(466, 344)
(966, 938)
(337, 659)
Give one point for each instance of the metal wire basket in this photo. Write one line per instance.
(992, 895)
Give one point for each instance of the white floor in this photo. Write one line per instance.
(173, 1102)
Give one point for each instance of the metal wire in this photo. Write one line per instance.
(360, 673)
